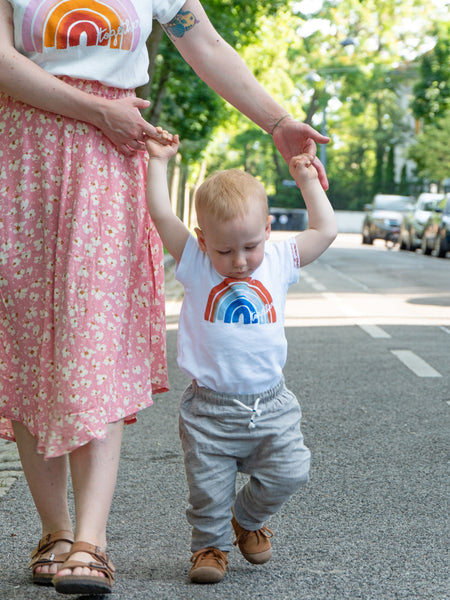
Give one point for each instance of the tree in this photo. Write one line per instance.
(431, 152)
(432, 92)
(181, 102)
(356, 65)
(374, 82)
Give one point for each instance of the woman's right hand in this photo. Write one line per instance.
(121, 121)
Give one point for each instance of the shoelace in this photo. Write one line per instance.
(256, 412)
(263, 532)
(213, 553)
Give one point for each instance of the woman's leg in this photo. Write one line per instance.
(47, 480)
(94, 469)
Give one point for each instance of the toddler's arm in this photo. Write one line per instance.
(322, 228)
(173, 233)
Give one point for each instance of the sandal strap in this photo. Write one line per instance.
(57, 559)
(47, 542)
(101, 563)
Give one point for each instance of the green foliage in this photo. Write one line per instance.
(432, 92)
(237, 20)
(182, 102)
(358, 64)
(431, 152)
(388, 182)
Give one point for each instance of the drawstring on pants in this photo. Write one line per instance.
(256, 412)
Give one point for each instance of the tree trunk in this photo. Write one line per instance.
(153, 41)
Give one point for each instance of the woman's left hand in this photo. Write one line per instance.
(294, 137)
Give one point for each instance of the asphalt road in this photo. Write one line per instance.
(369, 345)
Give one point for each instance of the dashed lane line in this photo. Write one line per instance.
(374, 331)
(416, 364)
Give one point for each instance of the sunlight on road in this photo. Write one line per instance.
(313, 302)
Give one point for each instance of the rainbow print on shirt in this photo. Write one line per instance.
(68, 23)
(244, 301)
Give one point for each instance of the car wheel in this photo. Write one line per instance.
(366, 239)
(441, 245)
(424, 246)
(402, 245)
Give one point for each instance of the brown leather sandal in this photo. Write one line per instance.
(45, 547)
(86, 584)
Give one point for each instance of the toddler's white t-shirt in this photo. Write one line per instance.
(231, 331)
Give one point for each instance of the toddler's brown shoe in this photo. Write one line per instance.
(210, 565)
(254, 545)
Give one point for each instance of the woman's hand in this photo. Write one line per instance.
(221, 67)
(293, 138)
(121, 121)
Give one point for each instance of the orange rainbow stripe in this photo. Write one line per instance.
(69, 23)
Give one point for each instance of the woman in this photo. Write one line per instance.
(81, 281)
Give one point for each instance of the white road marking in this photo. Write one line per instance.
(348, 278)
(318, 287)
(374, 331)
(346, 309)
(416, 364)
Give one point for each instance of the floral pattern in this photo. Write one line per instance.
(82, 327)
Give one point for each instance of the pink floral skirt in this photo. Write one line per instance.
(82, 326)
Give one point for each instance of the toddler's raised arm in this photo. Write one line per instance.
(322, 228)
(171, 229)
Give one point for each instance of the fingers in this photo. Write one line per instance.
(321, 173)
(306, 167)
(315, 135)
(309, 147)
(124, 149)
(141, 103)
(302, 160)
(159, 134)
(165, 138)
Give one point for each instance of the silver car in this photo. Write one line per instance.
(383, 217)
(412, 225)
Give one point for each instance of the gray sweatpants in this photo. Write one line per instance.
(222, 435)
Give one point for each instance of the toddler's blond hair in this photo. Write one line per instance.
(228, 194)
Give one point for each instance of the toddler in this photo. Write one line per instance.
(237, 414)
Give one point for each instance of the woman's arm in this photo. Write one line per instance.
(221, 67)
(20, 78)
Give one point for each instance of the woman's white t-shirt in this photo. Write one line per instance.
(90, 39)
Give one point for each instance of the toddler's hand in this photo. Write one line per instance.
(166, 149)
(302, 169)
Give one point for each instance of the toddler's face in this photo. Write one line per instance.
(236, 247)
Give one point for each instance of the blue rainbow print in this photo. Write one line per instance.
(244, 301)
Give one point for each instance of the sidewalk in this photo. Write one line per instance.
(10, 467)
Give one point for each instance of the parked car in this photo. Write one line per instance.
(289, 219)
(411, 227)
(436, 233)
(384, 216)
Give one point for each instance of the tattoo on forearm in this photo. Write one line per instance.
(182, 22)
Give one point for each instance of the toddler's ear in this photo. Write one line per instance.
(200, 239)
(268, 226)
